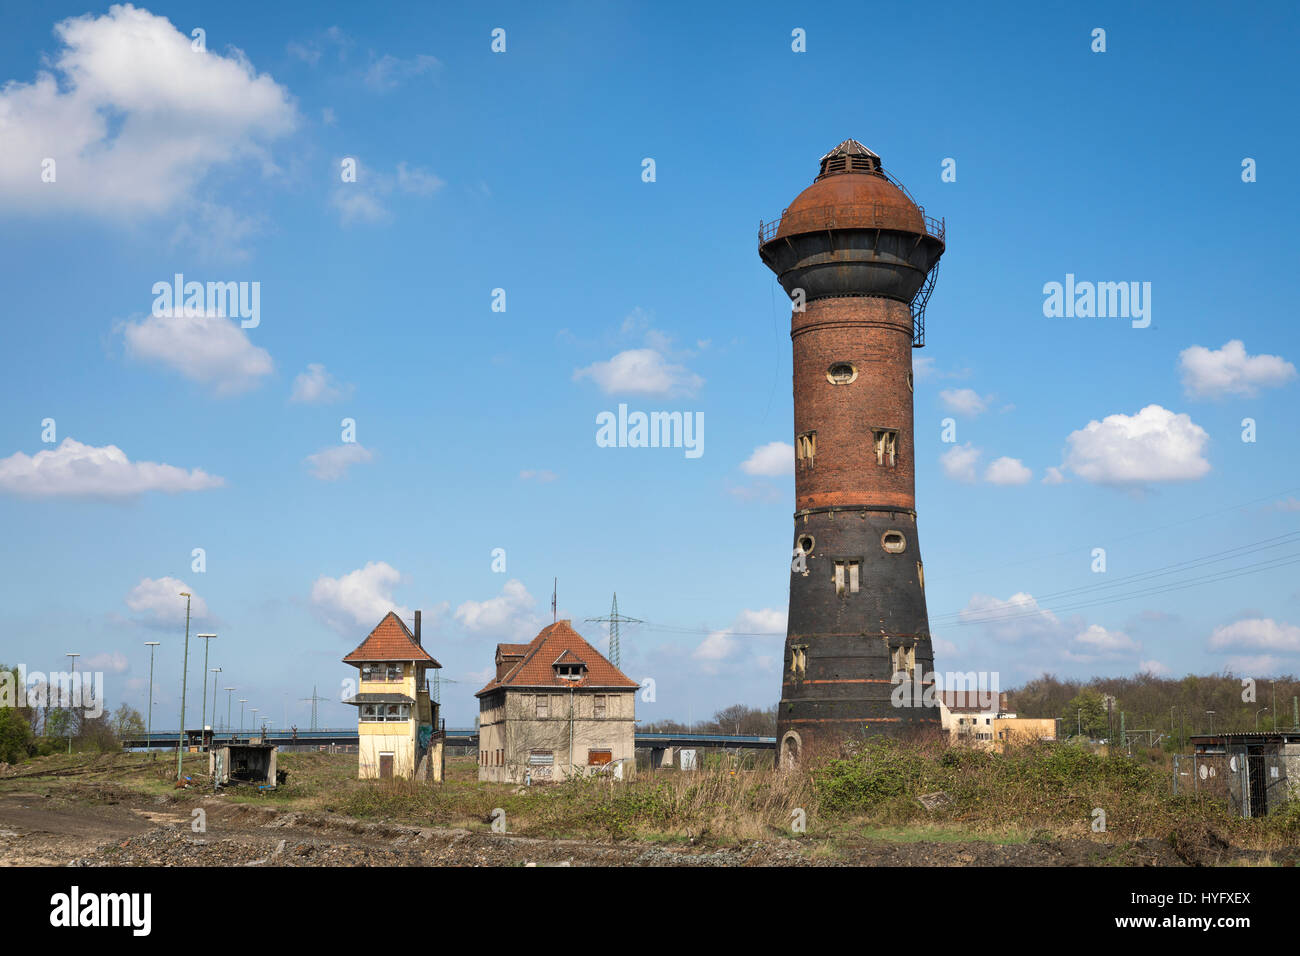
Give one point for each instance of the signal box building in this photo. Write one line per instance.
(398, 726)
(556, 708)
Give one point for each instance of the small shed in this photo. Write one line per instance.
(1261, 769)
(234, 763)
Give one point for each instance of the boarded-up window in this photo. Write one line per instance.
(598, 705)
(805, 448)
(798, 659)
(847, 575)
(905, 661)
(598, 758)
(543, 706)
(886, 441)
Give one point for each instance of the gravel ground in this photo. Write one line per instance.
(105, 825)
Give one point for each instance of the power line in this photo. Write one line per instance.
(1137, 534)
(1188, 565)
(1013, 612)
(613, 621)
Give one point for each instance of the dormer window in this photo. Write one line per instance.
(569, 666)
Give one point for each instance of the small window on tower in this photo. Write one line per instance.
(806, 544)
(847, 574)
(886, 441)
(920, 575)
(798, 660)
(905, 661)
(893, 542)
(841, 373)
(805, 448)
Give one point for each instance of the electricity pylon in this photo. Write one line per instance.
(313, 698)
(614, 620)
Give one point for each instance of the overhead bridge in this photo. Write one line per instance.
(462, 737)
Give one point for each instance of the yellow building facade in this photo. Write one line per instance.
(399, 729)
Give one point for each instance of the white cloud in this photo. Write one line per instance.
(356, 204)
(1263, 634)
(417, 181)
(771, 460)
(389, 72)
(964, 401)
(1256, 664)
(543, 475)
(765, 621)
(944, 647)
(720, 646)
(1153, 667)
(316, 385)
(715, 648)
(115, 662)
(207, 349)
(641, 372)
(77, 470)
(1018, 617)
(1230, 371)
(159, 599)
(958, 462)
(1096, 641)
(332, 463)
(359, 598)
(509, 614)
(1054, 476)
(363, 200)
(133, 118)
(1007, 471)
(1153, 445)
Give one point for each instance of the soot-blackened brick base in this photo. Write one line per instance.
(850, 640)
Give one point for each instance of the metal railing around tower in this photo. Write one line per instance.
(845, 216)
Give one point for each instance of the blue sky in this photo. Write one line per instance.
(475, 429)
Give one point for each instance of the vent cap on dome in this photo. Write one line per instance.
(850, 157)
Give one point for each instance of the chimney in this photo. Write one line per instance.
(417, 629)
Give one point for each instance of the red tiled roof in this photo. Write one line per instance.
(391, 640)
(558, 641)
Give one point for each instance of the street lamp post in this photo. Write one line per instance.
(229, 690)
(254, 710)
(149, 727)
(74, 685)
(1211, 713)
(242, 702)
(215, 672)
(185, 676)
(203, 719)
(1257, 713)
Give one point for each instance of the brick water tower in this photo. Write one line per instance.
(858, 258)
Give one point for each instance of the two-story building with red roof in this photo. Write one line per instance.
(556, 708)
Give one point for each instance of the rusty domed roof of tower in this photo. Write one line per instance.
(851, 191)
